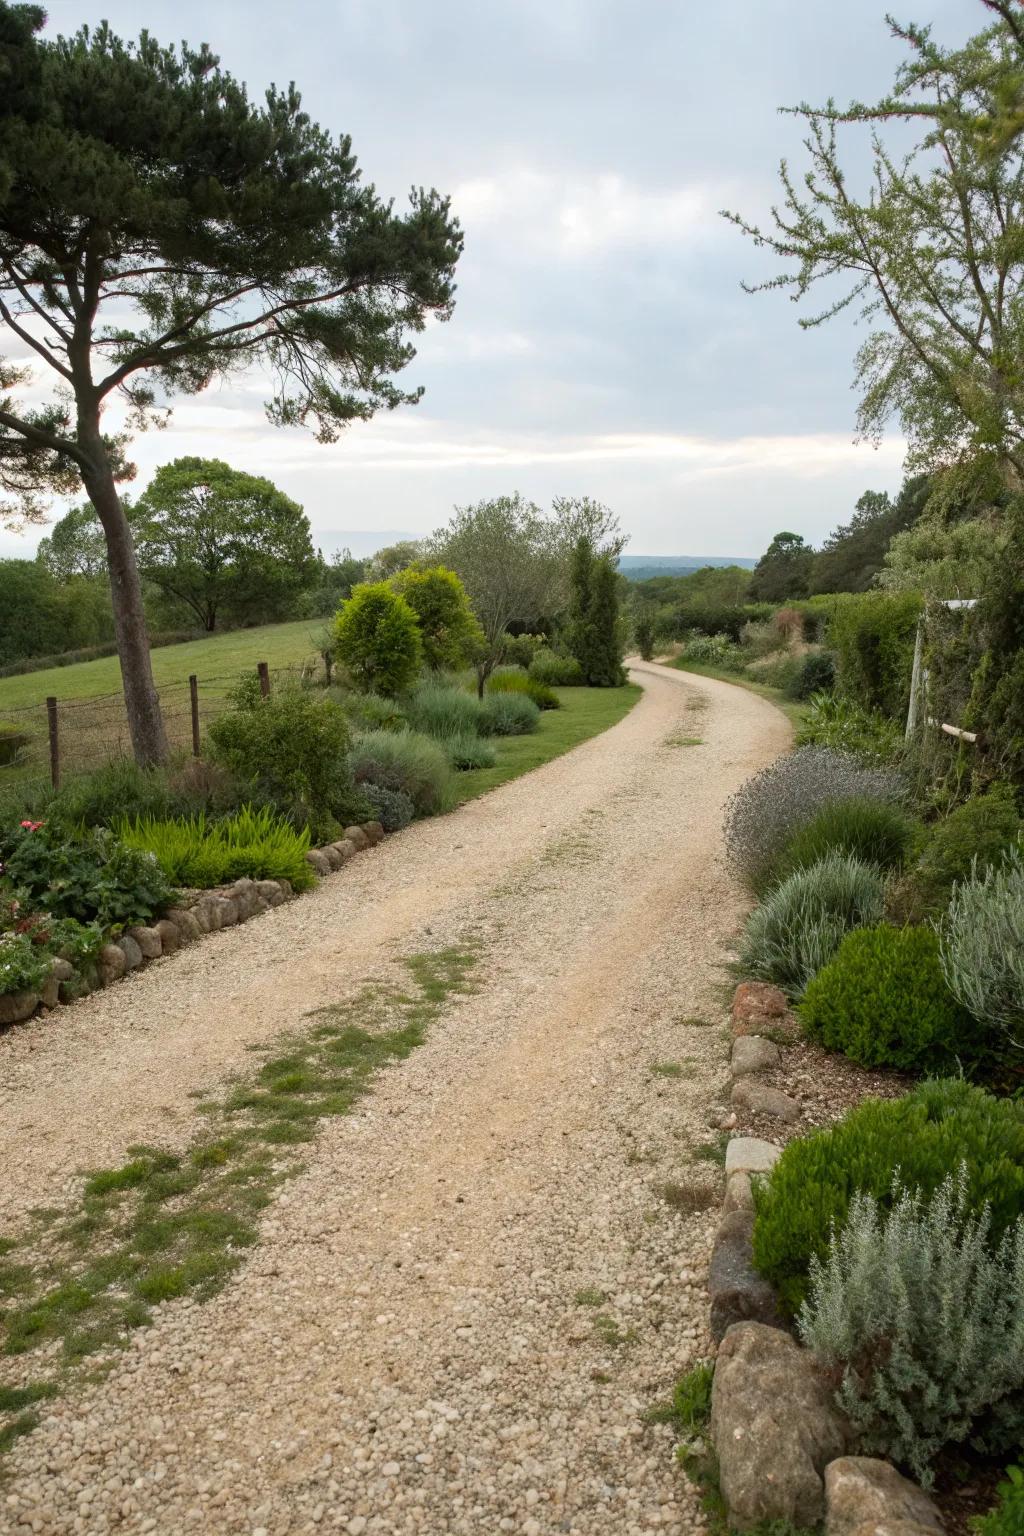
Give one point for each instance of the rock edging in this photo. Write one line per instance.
(778, 1438)
(210, 911)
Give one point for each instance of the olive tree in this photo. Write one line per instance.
(160, 230)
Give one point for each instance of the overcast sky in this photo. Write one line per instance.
(601, 344)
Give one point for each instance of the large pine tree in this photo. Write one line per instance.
(159, 230)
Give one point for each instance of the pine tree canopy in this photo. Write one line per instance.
(159, 229)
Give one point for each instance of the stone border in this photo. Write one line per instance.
(778, 1438)
(223, 907)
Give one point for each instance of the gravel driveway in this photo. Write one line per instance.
(457, 1314)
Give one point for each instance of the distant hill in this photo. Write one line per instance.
(644, 567)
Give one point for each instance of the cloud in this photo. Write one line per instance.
(576, 215)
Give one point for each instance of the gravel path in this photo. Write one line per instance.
(407, 1349)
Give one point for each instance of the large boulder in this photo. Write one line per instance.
(860, 1491)
(270, 892)
(112, 963)
(755, 1005)
(753, 1053)
(132, 952)
(333, 857)
(247, 898)
(185, 921)
(748, 1154)
(774, 1428)
(16, 1006)
(319, 861)
(759, 1099)
(374, 830)
(149, 941)
(358, 837)
(736, 1289)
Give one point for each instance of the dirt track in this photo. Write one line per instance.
(406, 1349)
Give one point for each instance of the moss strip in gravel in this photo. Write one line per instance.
(165, 1224)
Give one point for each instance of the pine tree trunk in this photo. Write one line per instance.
(142, 702)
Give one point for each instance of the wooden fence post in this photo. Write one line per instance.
(51, 721)
(264, 675)
(193, 688)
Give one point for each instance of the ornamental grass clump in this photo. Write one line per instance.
(883, 1001)
(194, 852)
(925, 1136)
(800, 925)
(925, 1322)
(439, 710)
(874, 831)
(982, 946)
(408, 761)
(508, 714)
(766, 812)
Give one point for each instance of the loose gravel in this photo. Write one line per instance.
(454, 1319)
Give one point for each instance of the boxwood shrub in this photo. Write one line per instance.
(923, 1138)
(883, 1001)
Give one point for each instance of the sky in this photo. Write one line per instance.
(601, 344)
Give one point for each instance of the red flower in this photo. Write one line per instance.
(31, 826)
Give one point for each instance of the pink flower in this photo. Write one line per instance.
(31, 826)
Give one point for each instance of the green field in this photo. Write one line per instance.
(584, 713)
(281, 645)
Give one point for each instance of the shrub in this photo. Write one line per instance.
(982, 944)
(518, 682)
(926, 1324)
(448, 628)
(89, 875)
(120, 788)
(847, 727)
(391, 807)
(875, 831)
(1007, 1518)
(24, 965)
(712, 650)
(377, 637)
(371, 711)
(801, 923)
(972, 837)
(469, 752)
(508, 714)
(925, 1136)
(519, 650)
(768, 809)
(441, 711)
(291, 750)
(12, 740)
(408, 761)
(817, 674)
(873, 635)
(556, 670)
(884, 1002)
(193, 852)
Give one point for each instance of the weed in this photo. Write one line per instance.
(611, 1334)
(687, 1199)
(694, 1023)
(589, 1297)
(683, 741)
(712, 1151)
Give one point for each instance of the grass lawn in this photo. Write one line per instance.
(219, 656)
(584, 713)
(796, 711)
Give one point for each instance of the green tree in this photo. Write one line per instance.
(505, 552)
(40, 616)
(220, 541)
(932, 255)
(783, 571)
(996, 709)
(448, 628)
(76, 546)
(644, 616)
(387, 562)
(594, 629)
(852, 557)
(377, 638)
(160, 229)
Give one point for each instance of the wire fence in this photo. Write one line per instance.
(51, 742)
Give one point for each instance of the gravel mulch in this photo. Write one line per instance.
(455, 1318)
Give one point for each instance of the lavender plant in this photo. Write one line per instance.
(924, 1322)
(981, 944)
(762, 816)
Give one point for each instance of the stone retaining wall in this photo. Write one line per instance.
(210, 911)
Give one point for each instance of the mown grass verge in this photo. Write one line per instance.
(165, 1224)
(585, 712)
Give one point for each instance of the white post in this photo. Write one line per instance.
(915, 680)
